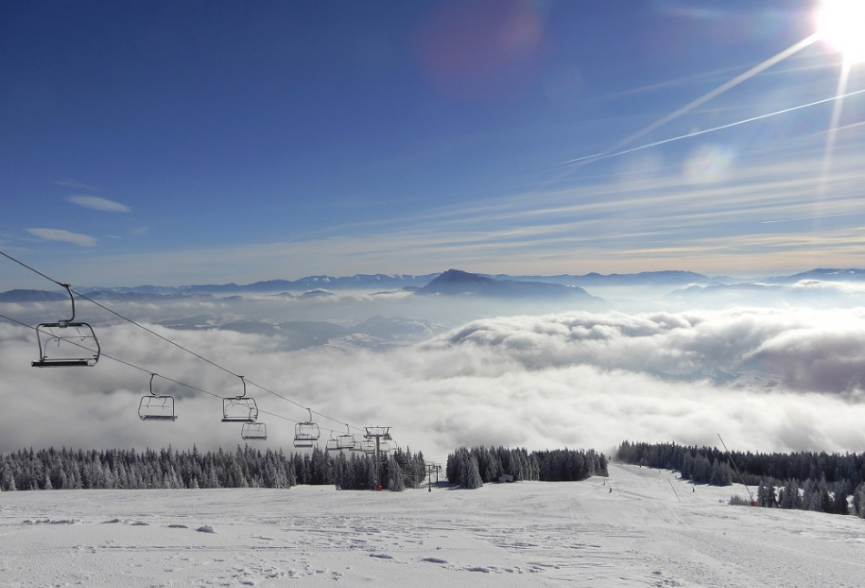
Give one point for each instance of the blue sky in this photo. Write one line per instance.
(210, 142)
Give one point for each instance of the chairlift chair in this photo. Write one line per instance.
(254, 431)
(239, 409)
(156, 407)
(331, 445)
(74, 342)
(346, 441)
(306, 434)
(367, 446)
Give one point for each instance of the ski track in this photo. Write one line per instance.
(651, 530)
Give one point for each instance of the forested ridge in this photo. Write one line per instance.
(831, 483)
(247, 467)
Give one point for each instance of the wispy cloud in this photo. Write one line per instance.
(75, 184)
(66, 236)
(97, 203)
(619, 224)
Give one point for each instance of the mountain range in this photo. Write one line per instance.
(450, 282)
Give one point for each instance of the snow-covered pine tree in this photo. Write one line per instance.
(471, 477)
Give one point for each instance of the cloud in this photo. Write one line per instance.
(767, 380)
(97, 203)
(663, 222)
(66, 236)
(804, 350)
(70, 183)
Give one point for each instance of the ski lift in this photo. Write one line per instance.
(346, 441)
(306, 434)
(74, 342)
(367, 446)
(156, 407)
(331, 445)
(239, 409)
(254, 431)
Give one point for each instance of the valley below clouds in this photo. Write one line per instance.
(446, 372)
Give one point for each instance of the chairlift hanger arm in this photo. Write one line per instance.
(72, 298)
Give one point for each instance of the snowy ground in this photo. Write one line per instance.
(651, 530)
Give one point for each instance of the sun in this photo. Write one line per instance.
(841, 24)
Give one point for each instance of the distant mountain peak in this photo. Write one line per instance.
(454, 282)
(460, 276)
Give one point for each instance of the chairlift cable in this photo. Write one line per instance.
(167, 340)
(152, 332)
(259, 386)
(124, 362)
(167, 379)
(35, 271)
(201, 357)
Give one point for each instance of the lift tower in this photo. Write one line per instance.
(379, 434)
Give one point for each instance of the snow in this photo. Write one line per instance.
(652, 530)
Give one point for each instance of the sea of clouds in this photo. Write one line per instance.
(765, 379)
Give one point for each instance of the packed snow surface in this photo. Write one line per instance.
(639, 527)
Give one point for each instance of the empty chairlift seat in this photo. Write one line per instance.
(66, 343)
(306, 433)
(331, 445)
(346, 441)
(239, 409)
(156, 407)
(367, 446)
(254, 431)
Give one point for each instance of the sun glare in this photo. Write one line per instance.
(841, 24)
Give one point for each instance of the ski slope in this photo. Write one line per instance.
(639, 527)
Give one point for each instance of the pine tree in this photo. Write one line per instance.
(471, 477)
(839, 500)
(859, 500)
(7, 477)
(395, 482)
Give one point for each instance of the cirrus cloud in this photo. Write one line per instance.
(62, 235)
(97, 203)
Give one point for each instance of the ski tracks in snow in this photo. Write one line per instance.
(638, 528)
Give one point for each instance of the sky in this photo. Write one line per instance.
(211, 142)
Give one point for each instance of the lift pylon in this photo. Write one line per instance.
(380, 436)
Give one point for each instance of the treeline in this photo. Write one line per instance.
(397, 471)
(821, 482)
(246, 467)
(817, 495)
(800, 466)
(472, 468)
(701, 465)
